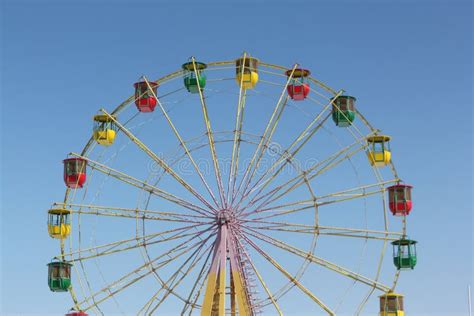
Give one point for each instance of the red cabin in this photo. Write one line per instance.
(144, 98)
(298, 88)
(76, 313)
(399, 199)
(74, 172)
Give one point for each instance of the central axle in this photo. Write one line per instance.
(225, 217)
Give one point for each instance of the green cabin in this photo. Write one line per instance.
(404, 253)
(59, 276)
(343, 110)
(194, 77)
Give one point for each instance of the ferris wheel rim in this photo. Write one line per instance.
(177, 74)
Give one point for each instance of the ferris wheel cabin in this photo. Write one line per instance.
(144, 97)
(404, 253)
(59, 276)
(343, 110)
(379, 150)
(298, 88)
(59, 223)
(74, 172)
(104, 130)
(76, 313)
(399, 199)
(246, 70)
(194, 76)
(391, 304)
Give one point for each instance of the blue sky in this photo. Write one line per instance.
(409, 63)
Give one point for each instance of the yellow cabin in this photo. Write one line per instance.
(104, 130)
(391, 304)
(59, 223)
(246, 70)
(379, 150)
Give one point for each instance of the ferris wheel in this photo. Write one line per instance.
(232, 188)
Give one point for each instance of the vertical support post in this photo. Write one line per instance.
(232, 294)
(240, 292)
(214, 298)
(469, 299)
(222, 270)
(209, 296)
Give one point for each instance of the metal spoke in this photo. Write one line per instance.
(296, 181)
(184, 274)
(286, 158)
(201, 274)
(195, 257)
(158, 160)
(289, 276)
(181, 141)
(306, 202)
(312, 258)
(353, 192)
(128, 210)
(316, 231)
(279, 213)
(125, 245)
(237, 136)
(303, 137)
(150, 267)
(210, 136)
(266, 137)
(308, 175)
(113, 291)
(119, 175)
(194, 303)
(349, 197)
(341, 196)
(135, 214)
(323, 230)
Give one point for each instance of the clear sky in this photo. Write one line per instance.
(411, 61)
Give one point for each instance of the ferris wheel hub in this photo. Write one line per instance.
(225, 217)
